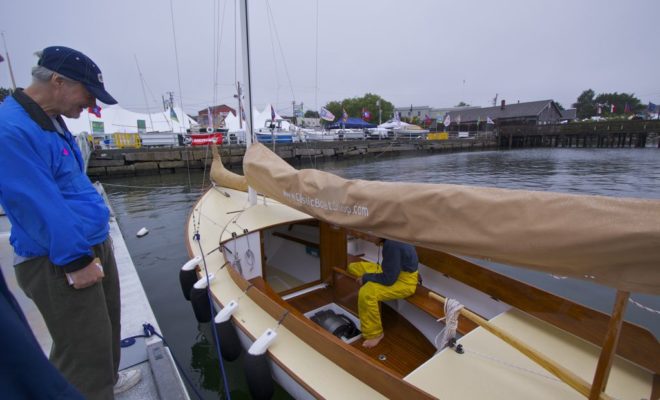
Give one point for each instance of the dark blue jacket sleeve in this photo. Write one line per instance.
(391, 266)
(25, 372)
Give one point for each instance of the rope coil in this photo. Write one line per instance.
(452, 311)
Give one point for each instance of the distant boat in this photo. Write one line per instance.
(278, 131)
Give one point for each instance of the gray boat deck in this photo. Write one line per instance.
(160, 378)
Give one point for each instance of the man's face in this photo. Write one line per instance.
(72, 97)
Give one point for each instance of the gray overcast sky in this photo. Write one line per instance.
(419, 52)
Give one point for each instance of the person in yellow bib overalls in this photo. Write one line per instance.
(396, 278)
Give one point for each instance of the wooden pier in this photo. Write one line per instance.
(160, 160)
(608, 134)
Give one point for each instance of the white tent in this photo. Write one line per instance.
(117, 119)
(259, 119)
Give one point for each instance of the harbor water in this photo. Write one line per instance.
(162, 203)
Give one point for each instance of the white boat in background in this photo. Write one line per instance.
(279, 131)
(349, 134)
(316, 135)
(403, 130)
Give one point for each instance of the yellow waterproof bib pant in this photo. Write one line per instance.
(371, 293)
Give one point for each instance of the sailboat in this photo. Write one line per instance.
(272, 248)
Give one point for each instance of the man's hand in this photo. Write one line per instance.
(87, 276)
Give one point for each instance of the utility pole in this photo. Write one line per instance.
(239, 96)
(380, 113)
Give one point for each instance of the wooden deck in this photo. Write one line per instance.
(403, 348)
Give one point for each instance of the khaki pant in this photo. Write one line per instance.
(371, 293)
(84, 323)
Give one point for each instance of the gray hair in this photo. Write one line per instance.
(42, 74)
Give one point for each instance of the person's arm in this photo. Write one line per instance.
(33, 199)
(391, 267)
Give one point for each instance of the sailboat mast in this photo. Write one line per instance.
(252, 194)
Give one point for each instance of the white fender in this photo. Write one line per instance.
(191, 264)
(261, 345)
(226, 312)
(202, 283)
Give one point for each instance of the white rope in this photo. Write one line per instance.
(643, 307)
(452, 311)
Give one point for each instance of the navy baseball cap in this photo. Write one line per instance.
(77, 66)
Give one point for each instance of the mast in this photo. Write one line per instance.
(11, 72)
(245, 41)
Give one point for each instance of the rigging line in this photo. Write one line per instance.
(178, 74)
(643, 307)
(144, 93)
(272, 47)
(217, 47)
(279, 43)
(316, 61)
(236, 49)
(215, 333)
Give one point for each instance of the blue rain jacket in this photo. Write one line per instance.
(397, 257)
(53, 207)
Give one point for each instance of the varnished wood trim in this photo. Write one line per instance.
(333, 249)
(609, 346)
(296, 239)
(655, 392)
(636, 344)
(343, 355)
(297, 288)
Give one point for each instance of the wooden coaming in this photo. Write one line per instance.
(636, 343)
(357, 364)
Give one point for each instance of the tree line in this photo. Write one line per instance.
(606, 104)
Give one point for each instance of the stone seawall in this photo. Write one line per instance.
(149, 161)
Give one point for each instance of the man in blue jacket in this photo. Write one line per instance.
(63, 255)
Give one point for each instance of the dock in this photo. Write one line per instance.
(160, 378)
(166, 160)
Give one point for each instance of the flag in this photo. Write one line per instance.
(366, 115)
(173, 115)
(612, 109)
(325, 114)
(397, 116)
(96, 110)
(447, 121)
(427, 119)
(344, 116)
(626, 108)
(600, 109)
(490, 121)
(272, 113)
(1, 59)
(652, 107)
(210, 115)
(458, 119)
(243, 113)
(478, 120)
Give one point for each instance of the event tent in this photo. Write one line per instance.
(351, 123)
(115, 119)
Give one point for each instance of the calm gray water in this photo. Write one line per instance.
(162, 203)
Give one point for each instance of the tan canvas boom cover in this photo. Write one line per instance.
(612, 241)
